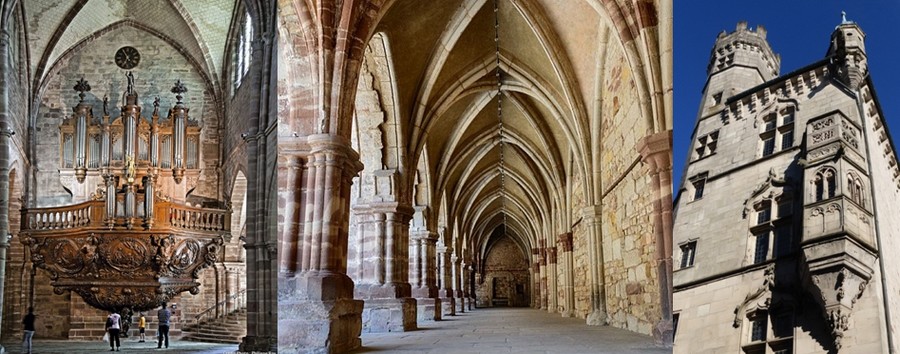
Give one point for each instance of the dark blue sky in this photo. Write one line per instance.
(799, 30)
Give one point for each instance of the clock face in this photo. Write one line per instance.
(127, 57)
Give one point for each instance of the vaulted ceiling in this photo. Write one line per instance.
(553, 56)
(197, 28)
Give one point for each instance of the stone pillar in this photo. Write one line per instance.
(470, 287)
(593, 222)
(552, 291)
(425, 288)
(536, 278)
(445, 290)
(6, 134)
(317, 311)
(456, 266)
(656, 152)
(542, 258)
(384, 285)
(565, 245)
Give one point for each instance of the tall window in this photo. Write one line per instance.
(855, 187)
(824, 184)
(244, 46)
(761, 251)
(698, 182)
(687, 254)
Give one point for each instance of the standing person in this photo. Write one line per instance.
(113, 327)
(163, 315)
(142, 326)
(126, 321)
(28, 322)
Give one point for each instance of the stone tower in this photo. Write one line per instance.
(780, 235)
(739, 60)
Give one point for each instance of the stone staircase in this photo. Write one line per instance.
(230, 328)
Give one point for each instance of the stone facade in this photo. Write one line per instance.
(199, 45)
(788, 206)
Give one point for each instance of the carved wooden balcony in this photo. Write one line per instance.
(112, 266)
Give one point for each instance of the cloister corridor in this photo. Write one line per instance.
(509, 330)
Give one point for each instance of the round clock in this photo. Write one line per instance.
(127, 57)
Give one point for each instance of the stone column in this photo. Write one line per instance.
(542, 258)
(565, 245)
(384, 285)
(656, 152)
(593, 222)
(6, 134)
(456, 266)
(470, 281)
(536, 278)
(552, 292)
(425, 288)
(445, 291)
(317, 311)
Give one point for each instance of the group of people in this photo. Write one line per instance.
(115, 326)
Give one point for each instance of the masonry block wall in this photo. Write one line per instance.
(506, 280)
(632, 293)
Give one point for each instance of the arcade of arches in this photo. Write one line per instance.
(404, 201)
(112, 183)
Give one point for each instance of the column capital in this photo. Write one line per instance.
(551, 255)
(656, 150)
(336, 149)
(429, 236)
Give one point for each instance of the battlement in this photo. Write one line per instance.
(744, 47)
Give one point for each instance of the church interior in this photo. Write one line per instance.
(401, 163)
(438, 158)
(134, 157)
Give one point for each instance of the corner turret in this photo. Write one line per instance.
(848, 48)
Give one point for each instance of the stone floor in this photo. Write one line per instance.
(519, 330)
(41, 346)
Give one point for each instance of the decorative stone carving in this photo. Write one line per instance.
(761, 297)
(837, 276)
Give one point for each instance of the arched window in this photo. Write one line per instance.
(243, 49)
(855, 187)
(826, 185)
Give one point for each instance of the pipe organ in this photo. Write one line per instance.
(130, 244)
(92, 147)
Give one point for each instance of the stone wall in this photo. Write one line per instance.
(632, 292)
(507, 269)
(886, 191)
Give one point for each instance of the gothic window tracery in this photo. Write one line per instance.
(855, 187)
(825, 184)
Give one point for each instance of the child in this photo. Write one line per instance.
(142, 325)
